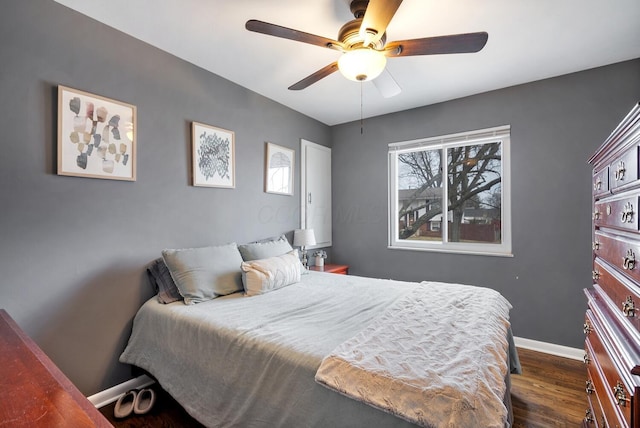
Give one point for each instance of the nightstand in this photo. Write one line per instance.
(331, 268)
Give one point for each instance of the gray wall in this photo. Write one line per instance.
(555, 125)
(73, 250)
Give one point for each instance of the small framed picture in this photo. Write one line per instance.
(213, 156)
(278, 171)
(96, 136)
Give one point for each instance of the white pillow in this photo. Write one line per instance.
(264, 275)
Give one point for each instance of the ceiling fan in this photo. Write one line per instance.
(363, 44)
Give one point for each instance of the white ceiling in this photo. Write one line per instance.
(528, 40)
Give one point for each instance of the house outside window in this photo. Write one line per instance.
(471, 172)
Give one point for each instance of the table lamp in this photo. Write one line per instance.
(303, 238)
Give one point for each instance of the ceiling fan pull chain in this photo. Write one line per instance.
(361, 118)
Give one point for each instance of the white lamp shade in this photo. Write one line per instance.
(304, 237)
(362, 64)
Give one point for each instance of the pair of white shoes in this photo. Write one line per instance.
(134, 401)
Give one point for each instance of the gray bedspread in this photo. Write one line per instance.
(247, 362)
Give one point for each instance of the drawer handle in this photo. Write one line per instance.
(620, 170)
(586, 328)
(595, 245)
(596, 215)
(627, 213)
(628, 307)
(590, 389)
(588, 416)
(595, 275)
(586, 359)
(629, 260)
(598, 184)
(621, 396)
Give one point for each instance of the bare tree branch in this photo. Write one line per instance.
(469, 169)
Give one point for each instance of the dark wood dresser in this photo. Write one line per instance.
(33, 391)
(612, 321)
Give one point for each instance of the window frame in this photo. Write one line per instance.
(500, 134)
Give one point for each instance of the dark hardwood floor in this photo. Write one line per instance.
(549, 393)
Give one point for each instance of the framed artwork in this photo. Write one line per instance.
(278, 171)
(96, 136)
(213, 156)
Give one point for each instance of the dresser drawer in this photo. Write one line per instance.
(613, 395)
(602, 410)
(601, 182)
(620, 213)
(624, 294)
(619, 251)
(624, 170)
(593, 418)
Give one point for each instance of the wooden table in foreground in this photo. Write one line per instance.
(331, 268)
(33, 391)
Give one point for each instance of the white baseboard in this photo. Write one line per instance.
(550, 348)
(112, 394)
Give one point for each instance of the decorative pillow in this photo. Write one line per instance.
(162, 283)
(264, 275)
(203, 274)
(265, 249)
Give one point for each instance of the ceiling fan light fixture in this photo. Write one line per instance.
(362, 64)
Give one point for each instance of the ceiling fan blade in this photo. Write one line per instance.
(455, 43)
(313, 78)
(386, 84)
(377, 18)
(291, 34)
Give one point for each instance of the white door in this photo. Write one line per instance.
(316, 191)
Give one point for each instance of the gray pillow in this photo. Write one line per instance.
(265, 249)
(162, 282)
(203, 274)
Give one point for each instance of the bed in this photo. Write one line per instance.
(267, 360)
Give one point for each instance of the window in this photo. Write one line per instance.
(471, 172)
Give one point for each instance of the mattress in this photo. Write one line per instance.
(240, 361)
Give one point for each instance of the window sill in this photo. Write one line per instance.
(453, 251)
